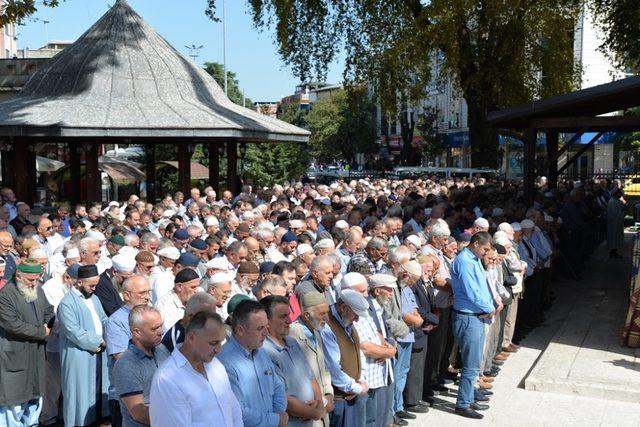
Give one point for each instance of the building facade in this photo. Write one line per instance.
(8, 39)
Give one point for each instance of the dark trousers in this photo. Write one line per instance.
(438, 340)
(415, 379)
(528, 311)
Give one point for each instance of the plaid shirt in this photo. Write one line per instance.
(372, 372)
(362, 257)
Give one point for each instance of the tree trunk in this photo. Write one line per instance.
(482, 137)
(406, 130)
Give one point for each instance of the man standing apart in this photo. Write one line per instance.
(472, 304)
(192, 388)
(24, 317)
(253, 376)
(83, 359)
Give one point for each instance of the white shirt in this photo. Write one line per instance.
(181, 396)
(162, 282)
(171, 309)
(97, 324)
(54, 290)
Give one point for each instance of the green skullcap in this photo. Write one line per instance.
(117, 240)
(30, 266)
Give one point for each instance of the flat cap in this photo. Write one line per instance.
(170, 252)
(311, 299)
(382, 281)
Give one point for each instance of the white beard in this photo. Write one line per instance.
(30, 293)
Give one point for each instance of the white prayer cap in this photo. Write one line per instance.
(128, 250)
(221, 277)
(356, 302)
(515, 226)
(73, 253)
(500, 234)
(324, 244)
(352, 279)
(124, 263)
(96, 235)
(548, 218)
(87, 224)
(497, 212)
(170, 252)
(414, 240)
(413, 268)
(527, 224)
(501, 240)
(382, 280)
(38, 253)
(248, 215)
(296, 223)
(342, 224)
(506, 227)
(303, 249)
(481, 222)
(211, 220)
(218, 263)
(168, 213)
(113, 203)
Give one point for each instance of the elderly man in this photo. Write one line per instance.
(162, 277)
(220, 287)
(246, 278)
(192, 216)
(6, 249)
(192, 388)
(272, 285)
(22, 218)
(84, 366)
(133, 372)
(304, 398)
(135, 291)
(471, 305)
(171, 306)
(9, 200)
(109, 288)
(342, 351)
(25, 321)
(236, 253)
(320, 280)
(374, 256)
(306, 330)
(44, 231)
(201, 301)
(89, 251)
(253, 376)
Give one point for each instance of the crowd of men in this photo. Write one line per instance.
(354, 304)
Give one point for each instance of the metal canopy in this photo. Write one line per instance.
(579, 105)
(121, 80)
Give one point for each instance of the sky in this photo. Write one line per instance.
(251, 54)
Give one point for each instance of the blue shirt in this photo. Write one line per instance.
(469, 284)
(408, 304)
(117, 335)
(255, 383)
(339, 378)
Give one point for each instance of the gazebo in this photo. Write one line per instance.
(122, 83)
(579, 112)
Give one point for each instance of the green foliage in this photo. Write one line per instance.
(619, 21)
(432, 143)
(268, 164)
(342, 126)
(216, 70)
(16, 11)
(498, 52)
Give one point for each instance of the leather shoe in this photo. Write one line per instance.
(417, 409)
(405, 415)
(484, 385)
(479, 406)
(479, 397)
(468, 413)
(425, 403)
(485, 391)
(439, 388)
(400, 421)
(497, 363)
(500, 357)
(487, 379)
(426, 400)
(505, 354)
(491, 374)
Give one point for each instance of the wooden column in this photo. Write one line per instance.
(92, 173)
(529, 165)
(30, 169)
(232, 166)
(214, 167)
(552, 151)
(151, 172)
(74, 164)
(8, 164)
(21, 179)
(184, 168)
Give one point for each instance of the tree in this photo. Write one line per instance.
(216, 70)
(432, 142)
(16, 11)
(619, 21)
(342, 126)
(498, 52)
(269, 164)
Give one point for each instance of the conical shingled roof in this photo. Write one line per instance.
(122, 79)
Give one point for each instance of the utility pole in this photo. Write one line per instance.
(224, 43)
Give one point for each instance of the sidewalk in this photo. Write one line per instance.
(574, 370)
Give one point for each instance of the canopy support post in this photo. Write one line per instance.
(151, 172)
(92, 172)
(184, 167)
(529, 164)
(232, 166)
(552, 151)
(74, 161)
(214, 167)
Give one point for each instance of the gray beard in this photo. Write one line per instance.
(29, 293)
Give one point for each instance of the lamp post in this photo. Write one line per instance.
(224, 43)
